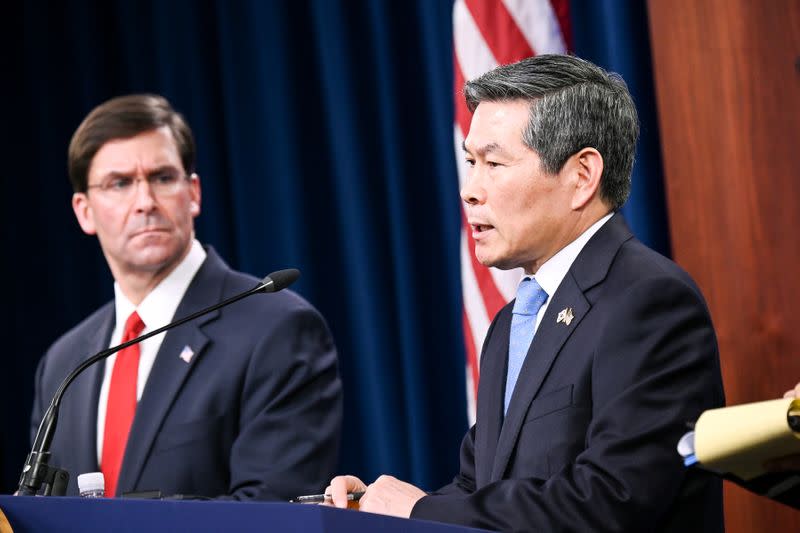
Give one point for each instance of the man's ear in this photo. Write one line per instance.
(83, 212)
(588, 167)
(194, 205)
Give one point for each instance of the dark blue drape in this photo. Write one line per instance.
(324, 132)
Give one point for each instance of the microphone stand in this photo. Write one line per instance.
(37, 473)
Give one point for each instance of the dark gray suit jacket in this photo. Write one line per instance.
(589, 440)
(256, 414)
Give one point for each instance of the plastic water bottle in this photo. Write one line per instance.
(92, 485)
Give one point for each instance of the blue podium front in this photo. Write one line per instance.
(80, 515)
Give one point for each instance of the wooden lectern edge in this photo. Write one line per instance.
(5, 527)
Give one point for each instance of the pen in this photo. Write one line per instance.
(320, 498)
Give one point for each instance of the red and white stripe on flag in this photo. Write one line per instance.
(487, 33)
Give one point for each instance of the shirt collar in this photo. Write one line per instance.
(552, 272)
(159, 306)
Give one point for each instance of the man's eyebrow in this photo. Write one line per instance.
(162, 168)
(485, 149)
(151, 172)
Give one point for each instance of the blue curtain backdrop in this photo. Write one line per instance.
(324, 132)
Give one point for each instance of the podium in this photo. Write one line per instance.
(82, 515)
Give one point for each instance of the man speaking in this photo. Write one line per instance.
(244, 402)
(589, 377)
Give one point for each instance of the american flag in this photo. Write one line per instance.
(487, 33)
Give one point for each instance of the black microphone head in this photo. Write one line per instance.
(280, 280)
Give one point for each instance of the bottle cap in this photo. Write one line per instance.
(91, 481)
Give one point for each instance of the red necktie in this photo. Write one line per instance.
(121, 405)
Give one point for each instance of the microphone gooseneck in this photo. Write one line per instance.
(36, 471)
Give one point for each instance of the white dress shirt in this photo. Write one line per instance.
(552, 271)
(156, 310)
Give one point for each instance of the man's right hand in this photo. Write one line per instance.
(340, 486)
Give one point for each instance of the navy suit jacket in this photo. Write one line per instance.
(588, 443)
(255, 414)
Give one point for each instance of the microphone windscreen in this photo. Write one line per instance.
(281, 279)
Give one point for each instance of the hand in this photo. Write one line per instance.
(340, 486)
(794, 393)
(390, 496)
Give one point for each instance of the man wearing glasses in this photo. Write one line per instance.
(243, 403)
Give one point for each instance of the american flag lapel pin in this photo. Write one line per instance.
(186, 354)
(565, 316)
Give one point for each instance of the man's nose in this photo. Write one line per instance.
(143, 195)
(473, 192)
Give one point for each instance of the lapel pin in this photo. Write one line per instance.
(565, 316)
(186, 354)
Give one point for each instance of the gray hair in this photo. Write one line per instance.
(574, 104)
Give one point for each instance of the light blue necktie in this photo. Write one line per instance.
(530, 298)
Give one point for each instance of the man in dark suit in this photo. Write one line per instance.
(589, 377)
(243, 403)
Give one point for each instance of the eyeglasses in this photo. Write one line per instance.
(124, 187)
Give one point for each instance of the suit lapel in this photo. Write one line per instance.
(169, 371)
(490, 396)
(546, 345)
(86, 396)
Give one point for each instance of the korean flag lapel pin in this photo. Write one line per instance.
(565, 316)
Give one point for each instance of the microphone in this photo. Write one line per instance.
(36, 471)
